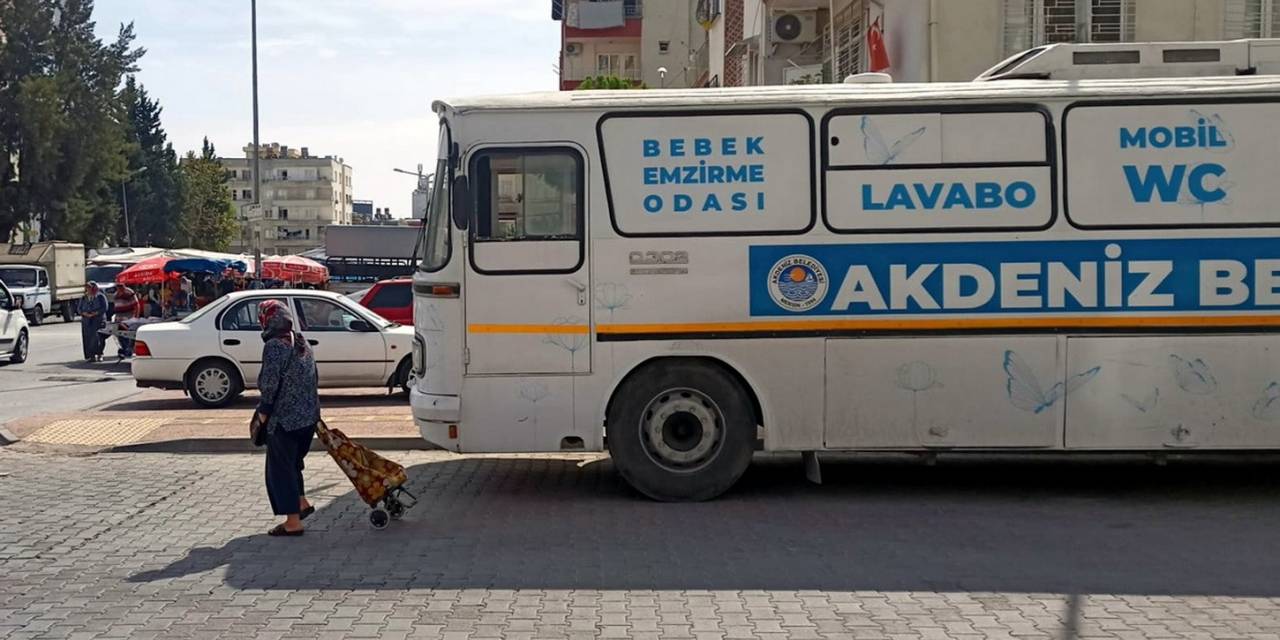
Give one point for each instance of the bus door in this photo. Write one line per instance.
(527, 288)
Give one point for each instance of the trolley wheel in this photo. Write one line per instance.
(395, 509)
(379, 519)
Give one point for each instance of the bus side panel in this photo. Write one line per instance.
(512, 414)
(908, 393)
(1176, 392)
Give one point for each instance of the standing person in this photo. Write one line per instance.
(155, 308)
(290, 409)
(127, 306)
(93, 310)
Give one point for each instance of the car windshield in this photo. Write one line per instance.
(18, 278)
(104, 274)
(435, 247)
(203, 311)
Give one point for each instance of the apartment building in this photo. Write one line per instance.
(301, 195)
(652, 42)
(758, 42)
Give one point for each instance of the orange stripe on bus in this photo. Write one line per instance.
(950, 323)
(529, 328)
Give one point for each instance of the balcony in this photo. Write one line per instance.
(602, 19)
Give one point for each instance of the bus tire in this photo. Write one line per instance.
(681, 431)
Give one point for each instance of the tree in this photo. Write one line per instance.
(609, 82)
(208, 215)
(62, 147)
(152, 188)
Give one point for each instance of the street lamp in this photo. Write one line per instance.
(124, 199)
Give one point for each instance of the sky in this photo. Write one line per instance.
(349, 78)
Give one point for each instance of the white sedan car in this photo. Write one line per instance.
(216, 353)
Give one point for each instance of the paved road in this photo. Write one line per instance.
(154, 545)
(56, 377)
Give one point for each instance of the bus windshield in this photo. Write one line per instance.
(435, 249)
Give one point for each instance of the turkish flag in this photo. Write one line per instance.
(877, 54)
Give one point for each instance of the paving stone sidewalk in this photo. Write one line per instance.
(171, 546)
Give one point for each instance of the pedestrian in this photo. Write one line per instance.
(155, 308)
(93, 310)
(290, 409)
(127, 306)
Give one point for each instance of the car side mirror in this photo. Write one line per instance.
(360, 326)
(461, 204)
(7, 303)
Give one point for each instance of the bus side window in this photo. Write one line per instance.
(527, 196)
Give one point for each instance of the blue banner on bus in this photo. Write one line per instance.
(1028, 277)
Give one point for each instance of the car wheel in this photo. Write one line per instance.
(68, 314)
(213, 384)
(20, 348)
(681, 431)
(37, 316)
(404, 375)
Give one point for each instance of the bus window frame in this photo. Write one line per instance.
(451, 162)
(1164, 102)
(681, 113)
(1050, 162)
(580, 236)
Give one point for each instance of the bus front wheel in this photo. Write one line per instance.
(681, 431)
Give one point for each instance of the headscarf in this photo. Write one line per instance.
(277, 323)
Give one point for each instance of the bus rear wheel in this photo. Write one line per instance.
(681, 431)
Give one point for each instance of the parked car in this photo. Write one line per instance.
(104, 275)
(215, 353)
(392, 299)
(15, 338)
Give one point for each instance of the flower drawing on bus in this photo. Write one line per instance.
(880, 151)
(1220, 184)
(917, 376)
(1193, 375)
(1025, 391)
(611, 296)
(1213, 131)
(1268, 406)
(569, 334)
(1144, 404)
(533, 393)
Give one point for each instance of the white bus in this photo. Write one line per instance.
(683, 277)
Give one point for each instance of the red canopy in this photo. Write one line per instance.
(149, 271)
(293, 269)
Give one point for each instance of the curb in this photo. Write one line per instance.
(242, 445)
(6, 437)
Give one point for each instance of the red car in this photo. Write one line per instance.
(391, 299)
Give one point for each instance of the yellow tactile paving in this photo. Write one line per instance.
(96, 431)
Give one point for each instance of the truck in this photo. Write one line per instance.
(46, 277)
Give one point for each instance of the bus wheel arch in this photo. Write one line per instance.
(682, 428)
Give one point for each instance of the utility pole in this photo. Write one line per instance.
(257, 152)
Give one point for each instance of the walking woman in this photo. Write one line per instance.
(93, 310)
(290, 408)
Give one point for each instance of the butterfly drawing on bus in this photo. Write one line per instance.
(1145, 403)
(1268, 406)
(1215, 131)
(880, 151)
(1223, 184)
(1026, 392)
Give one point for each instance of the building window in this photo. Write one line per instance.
(307, 233)
(284, 214)
(245, 175)
(1032, 23)
(284, 174)
(246, 194)
(706, 12)
(1250, 19)
(622, 65)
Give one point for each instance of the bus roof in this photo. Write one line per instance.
(832, 94)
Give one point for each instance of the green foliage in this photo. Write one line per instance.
(62, 142)
(609, 82)
(152, 189)
(208, 214)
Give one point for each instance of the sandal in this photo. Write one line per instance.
(279, 530)
(306, 512)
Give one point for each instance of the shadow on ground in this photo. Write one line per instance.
(1198, 528)
(177, 400)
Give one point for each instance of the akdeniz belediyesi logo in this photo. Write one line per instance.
(798, 283)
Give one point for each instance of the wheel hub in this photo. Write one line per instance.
(212, 384)
(682, 429)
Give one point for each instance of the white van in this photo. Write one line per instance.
(1028, 265)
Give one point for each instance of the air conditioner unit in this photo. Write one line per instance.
(794, 27)
(572, 48)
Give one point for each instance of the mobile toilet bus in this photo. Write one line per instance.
(1024, 264)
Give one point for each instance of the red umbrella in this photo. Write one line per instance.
(293, 269)
(149, 271)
